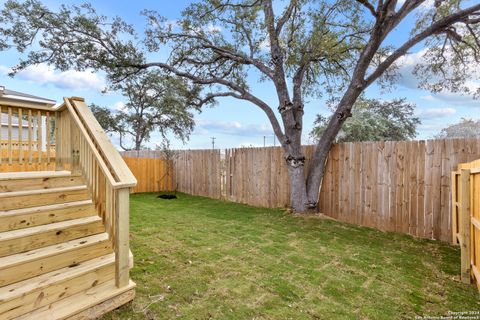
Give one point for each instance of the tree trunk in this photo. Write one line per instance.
(298, 188)
(317, 168)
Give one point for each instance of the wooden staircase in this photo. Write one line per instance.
(56, 259)
(64, 249)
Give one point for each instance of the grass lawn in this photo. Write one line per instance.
(197, 258)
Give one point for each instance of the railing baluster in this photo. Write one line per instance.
(1, 129)
(48, 135)
(39, 136)
(59, 132)
(10, 132)
(20, 136)
(30, 137)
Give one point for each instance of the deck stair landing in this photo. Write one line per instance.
(56, 258)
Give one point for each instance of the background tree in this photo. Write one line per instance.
(374, 120)
(156, 103)
(170, 156)
(465, 128)
(303, 47)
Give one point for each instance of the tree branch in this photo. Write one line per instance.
(435, 28)
(369, 6)
(242, 93)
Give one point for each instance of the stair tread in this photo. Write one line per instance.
(7, 235)
(17, 289)
(21, 211)
(41, 191)
(70, 306)
(32, 255)
(33, 174)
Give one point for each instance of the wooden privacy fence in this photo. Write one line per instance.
(197, 172)
(153, 174)
(466, 218)
(399, 186)
(393, 186)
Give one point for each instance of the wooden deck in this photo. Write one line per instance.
(64, 214)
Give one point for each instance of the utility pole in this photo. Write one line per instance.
(264, 138)
(274, 142)
(213, 142)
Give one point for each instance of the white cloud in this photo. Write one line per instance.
(235, 128)
(265, 44)
(70, 79)
(213, 29)
(4, 70)
(435, 113)
(119, 106)
(407, 63)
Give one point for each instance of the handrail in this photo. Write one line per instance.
(100, 160)
(106, 174)
(117, 172)
(26, 105)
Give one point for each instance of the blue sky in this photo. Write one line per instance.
(232, 122)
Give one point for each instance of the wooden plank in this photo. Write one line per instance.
(1, 144)
(413, 192)
(44, 182)
(20, 136)
(437, 188)
(47, 135)
(31, 217)
(122, 240)
(10, 134)
(30, 137)
(96, 311)
(455, 207)
(34, 198)
(30, 264)
(23, 240)
(77, 304)
(464, 199)
(23, 297)
(39, 136)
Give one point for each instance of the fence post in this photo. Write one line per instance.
(122, 243)
(464, 224)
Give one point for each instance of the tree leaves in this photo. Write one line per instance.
(374, 120)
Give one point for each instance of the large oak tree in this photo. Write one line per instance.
(305, 48)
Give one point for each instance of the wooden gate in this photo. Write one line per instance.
(466, 218)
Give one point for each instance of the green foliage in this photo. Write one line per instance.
(374, 120)
(465, 128)
(156, 103)
(324, 36)
(198, 258)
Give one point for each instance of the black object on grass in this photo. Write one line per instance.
(167, 196)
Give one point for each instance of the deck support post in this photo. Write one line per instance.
(122, 241)
(464, 224)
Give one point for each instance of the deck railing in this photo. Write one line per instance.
(69, 137)
(26, 137)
